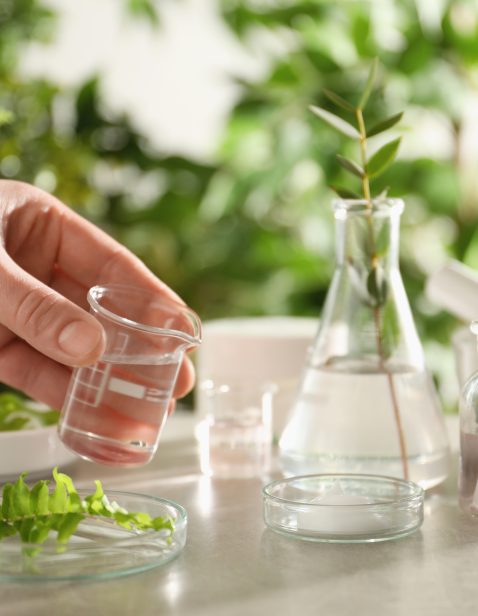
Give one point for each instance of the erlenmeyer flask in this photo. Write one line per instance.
(366, 403)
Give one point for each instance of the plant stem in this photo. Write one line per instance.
(363, 156)
(393, 393)
(376, 309)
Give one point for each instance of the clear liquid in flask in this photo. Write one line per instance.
(344, 421)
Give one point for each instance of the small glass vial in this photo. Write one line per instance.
(468, 476)
(236, 434)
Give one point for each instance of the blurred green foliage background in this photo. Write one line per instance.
(251, 233)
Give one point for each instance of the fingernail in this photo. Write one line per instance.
(80, 339)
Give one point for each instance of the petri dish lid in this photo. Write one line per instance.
(343, 508)
(99, 549)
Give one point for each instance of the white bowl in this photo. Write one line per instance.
(256, 350)
(35, 451)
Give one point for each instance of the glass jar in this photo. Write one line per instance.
(366, 403)
(468, 474)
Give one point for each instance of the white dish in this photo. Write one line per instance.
(34, 451)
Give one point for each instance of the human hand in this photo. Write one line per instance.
(49, 258)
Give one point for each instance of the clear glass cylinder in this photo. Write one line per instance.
(366, 403)
(468, 474)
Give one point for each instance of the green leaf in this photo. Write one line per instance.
(97, 496)
(39, 498)
(382, 158)
(48, 418)
(335, 122)
(369, 85)
(6, 530)
(338, 100)
(21, 498)
(73, 500)
(160, 523)
(390, 330)
(26, 526)
(350, 166)
(7, 508)
(64, 480)
(123, 519)
(382, 240)
(377, 286)
(58, 499)
(68, 526)
(34, 513)
(75, 503)
(384, 125)
(362, 234)
(39, 533)
(17, 413)
(142, 519)
(345, 193)
(357, 276)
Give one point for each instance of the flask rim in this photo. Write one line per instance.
(381, 207)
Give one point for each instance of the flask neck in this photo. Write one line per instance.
(368, 234)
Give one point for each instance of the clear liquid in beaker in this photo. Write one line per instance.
(115, 410)
(344, 421)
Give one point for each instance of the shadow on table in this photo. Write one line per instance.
(141, 594)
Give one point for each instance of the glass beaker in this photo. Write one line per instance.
(468, 475)
(366, 403)
(114, 410)
(235, 436)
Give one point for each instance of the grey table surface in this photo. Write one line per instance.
(233, 565)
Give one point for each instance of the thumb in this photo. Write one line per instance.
(48, 321)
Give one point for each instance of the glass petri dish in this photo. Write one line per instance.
(99, 549)
(343, 508)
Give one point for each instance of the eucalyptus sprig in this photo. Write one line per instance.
(368, 167)
(369, 279)
(373, 284)
(35, 513)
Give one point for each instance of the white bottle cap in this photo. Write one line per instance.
(454, 287)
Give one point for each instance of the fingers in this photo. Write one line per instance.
(77, 293)
(51, 318)
(69, 288)
(185, 380)
(46, 320)
(28, 370)
(171, 407)
(45, 380)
